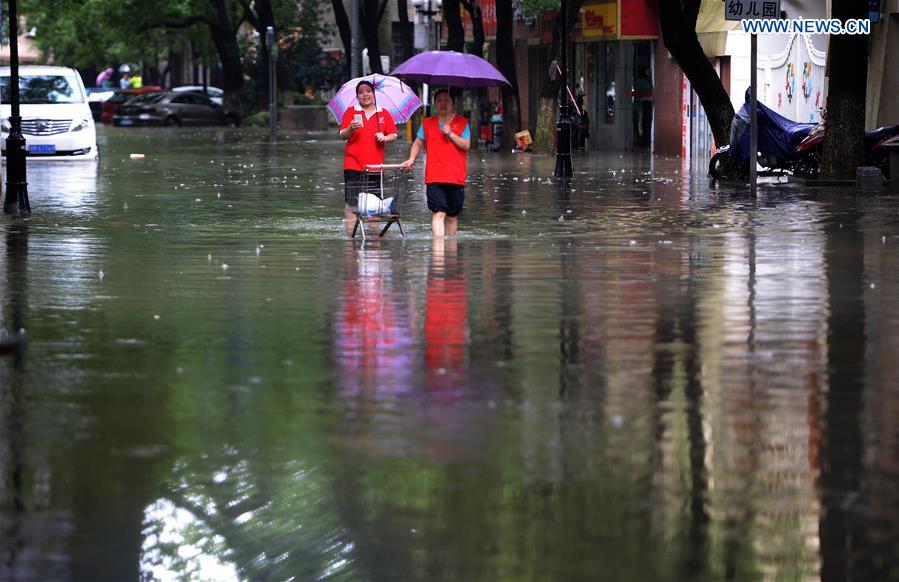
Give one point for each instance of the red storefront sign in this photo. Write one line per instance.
(639, 18)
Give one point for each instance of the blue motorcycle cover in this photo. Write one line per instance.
(778, 136)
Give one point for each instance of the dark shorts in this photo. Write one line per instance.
(351, 181)
(446, 198)
(355, 182)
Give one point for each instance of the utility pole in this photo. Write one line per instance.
(563, 127)
(16, 200)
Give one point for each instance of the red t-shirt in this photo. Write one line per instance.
(362, 148)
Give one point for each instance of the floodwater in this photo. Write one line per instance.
(639, 377)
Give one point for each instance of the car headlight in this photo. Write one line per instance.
(82, 124)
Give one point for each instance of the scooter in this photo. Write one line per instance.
(875, 153)
(778, 141)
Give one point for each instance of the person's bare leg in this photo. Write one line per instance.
(437, 229)
(438, 247)
(348, 214)
(349, 220)
(451, 225)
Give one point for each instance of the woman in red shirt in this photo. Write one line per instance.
(366, 127)
(446, 138)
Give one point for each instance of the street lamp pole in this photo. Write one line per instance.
(16, 200)
(563, 127)
(431, 24)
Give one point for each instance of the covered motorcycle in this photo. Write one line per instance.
(778, 138)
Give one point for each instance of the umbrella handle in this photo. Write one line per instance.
(567, 88)
(375, 97)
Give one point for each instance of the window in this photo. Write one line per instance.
(147, 98)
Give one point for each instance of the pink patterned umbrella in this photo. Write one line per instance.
(391, 94)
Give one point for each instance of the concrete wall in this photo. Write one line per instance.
(304, 117)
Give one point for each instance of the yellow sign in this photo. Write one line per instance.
(599, 20)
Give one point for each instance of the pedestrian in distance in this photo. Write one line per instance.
(366, 128)
(136, 81)
(445, 138)
(124, 81)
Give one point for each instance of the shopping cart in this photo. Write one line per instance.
(379, 193)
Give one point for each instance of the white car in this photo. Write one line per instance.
(56, 118)
(215, 94)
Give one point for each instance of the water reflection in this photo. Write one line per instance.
(374, 339)
(446, 323)
(17, 512)
(667, 383)
(69, 187)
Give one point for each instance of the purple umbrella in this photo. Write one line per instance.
(104, 75)
(451, 69)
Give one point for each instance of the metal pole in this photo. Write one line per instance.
(272, 85)
(753, 118)
(16, 200)
(425, 89)
(355, 45)
(563, 127)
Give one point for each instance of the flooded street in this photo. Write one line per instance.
(639, 377)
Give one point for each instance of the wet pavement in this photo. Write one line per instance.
(641, 376)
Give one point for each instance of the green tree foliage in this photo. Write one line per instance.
(81, 33)
(100, 33)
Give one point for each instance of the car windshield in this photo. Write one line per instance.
(41, 89)
(147, 98)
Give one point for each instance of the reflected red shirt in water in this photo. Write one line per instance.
(445, 329)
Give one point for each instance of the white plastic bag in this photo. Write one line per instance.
(370, 204)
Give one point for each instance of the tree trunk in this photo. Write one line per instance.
(229, 54)
(225, 42)
(455, 32)
(548, 111)
(678, 23)
(346, 32)
(847, 58)
(477, 27)
(370, 25)
(505, 60)
(405, 29)
(477, 48)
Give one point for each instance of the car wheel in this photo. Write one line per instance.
(231, 121)
(172, 121)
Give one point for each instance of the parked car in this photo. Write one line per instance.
(95, 98)
(119, 96)
(172, 108)
(56, 118)
(214, 93)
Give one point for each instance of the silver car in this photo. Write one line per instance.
(171, 108)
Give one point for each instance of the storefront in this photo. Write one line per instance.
(614, 70)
